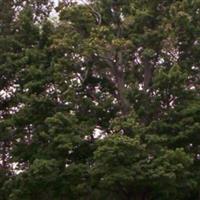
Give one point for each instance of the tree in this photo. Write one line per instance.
(106, 100)
(16, 36)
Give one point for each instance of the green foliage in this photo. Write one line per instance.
(102, 103)
(122, 163)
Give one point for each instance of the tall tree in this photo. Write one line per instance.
(16, 36)
(104, 102)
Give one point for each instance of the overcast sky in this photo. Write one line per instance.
(56, 2)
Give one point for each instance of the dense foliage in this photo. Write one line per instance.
(101, 103)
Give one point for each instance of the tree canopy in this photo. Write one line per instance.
(101, 103)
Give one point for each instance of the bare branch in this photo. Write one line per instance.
(94, 12)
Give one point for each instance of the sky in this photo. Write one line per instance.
(56, 2)
(53, 14)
